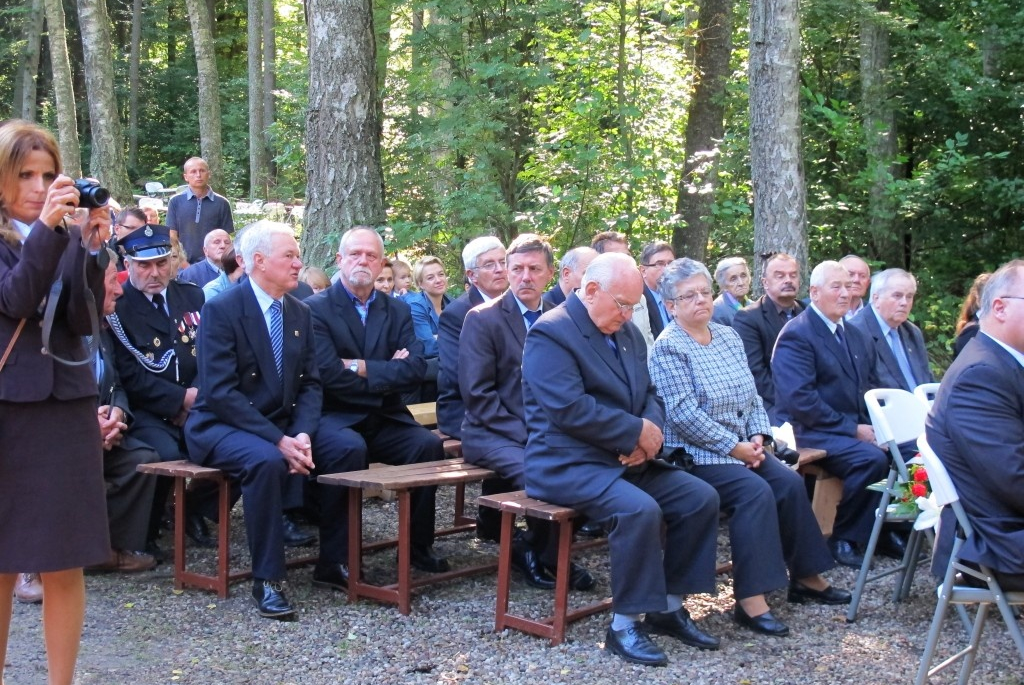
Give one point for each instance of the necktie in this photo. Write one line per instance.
(158, 303)
(277, 335)
(531, 317)
(841, 339)
(611, 345)
(901, 357)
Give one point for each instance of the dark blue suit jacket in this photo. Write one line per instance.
(450, 409)
(340, 334)
(976, 427)
(200, 273)
(490, 375)
(555, 296)
(819, 387)
(886, 366)
(758, 326)
(239, 388)
(584, 407)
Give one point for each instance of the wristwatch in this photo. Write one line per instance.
(354, 366)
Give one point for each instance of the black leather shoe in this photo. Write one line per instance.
(766, 624)
(579, 577)
(592, 530)
(424, 559)
(679, 625)
(844, 552)
(891, 544)
(270, 600)
(525, 560)
(331, 576)
(798, 594)
(197, 532)
(293, 536)
(634, 645)
(487, 529)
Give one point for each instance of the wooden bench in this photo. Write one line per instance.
(219, 582)
(828, 489)
(401, 480)
(512, 504)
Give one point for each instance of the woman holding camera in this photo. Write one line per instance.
(52, 501)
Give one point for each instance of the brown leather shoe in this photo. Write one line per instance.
(28, 589)
(122, 561)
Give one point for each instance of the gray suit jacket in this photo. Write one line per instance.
(886, 366)
(584, 406)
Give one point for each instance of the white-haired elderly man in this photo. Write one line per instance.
(571, 268)
(901, 358)
(733, 278)
(215, 244)
(260, 397)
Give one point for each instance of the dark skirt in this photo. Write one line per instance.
(53, 510)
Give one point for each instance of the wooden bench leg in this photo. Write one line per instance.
(562, 573)
(404, 551)
(355, 541)
(223, 537)
(508, 520)
(179, 533)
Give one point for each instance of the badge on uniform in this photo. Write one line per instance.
(156, 342)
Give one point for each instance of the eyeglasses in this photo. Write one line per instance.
(623, 308)
(493, 265)
(661, 265)
(690, 297)
(125, 227)
(1011, 297)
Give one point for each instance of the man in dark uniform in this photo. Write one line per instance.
(155, 324)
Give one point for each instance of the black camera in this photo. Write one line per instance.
(91, 194)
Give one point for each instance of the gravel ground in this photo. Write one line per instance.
(140, 631)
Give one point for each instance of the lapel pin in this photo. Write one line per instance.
(156, 342)
(296, 334)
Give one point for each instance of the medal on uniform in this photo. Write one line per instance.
(156, 342)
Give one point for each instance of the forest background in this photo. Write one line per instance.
(891, 129)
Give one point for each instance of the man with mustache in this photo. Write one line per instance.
(759, 324)
(901, 358)
(368, 355)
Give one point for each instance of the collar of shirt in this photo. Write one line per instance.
(216, 267)
(23, 229)
(779, 309)
(263, 299)
(484, 295)
(1016, 355)
(150, 296)
(886, 328)
(832, 326)
(522, 307)
(209, 194)
(355, 300)
(853, 312)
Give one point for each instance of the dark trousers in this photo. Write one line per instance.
(258, 466)
(859, 464)
(168, 442)
(633, 510)
(507, 461)
(339, 447)
(771, 525)
(129, 493)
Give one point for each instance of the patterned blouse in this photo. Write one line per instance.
(711, 402)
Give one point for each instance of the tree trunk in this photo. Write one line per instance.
(258, 162)
(63, 89)
(623, 101)
(209, 90)
(134, 57)
(776, 165)
(880, 137)
(107, 162)
(269, 83)
(345, 184)
(705, 127)
(28, 66)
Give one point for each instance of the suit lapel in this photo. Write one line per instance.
(346, 311)
(882, 345)
(145, 312)
(292, 346)
(844, 357)
(376, 323)
(254, 325)
(514, 318)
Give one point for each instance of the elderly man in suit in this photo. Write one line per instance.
(759, 324)
(976, 427)
(484, 262)
(368, 355)
(594, 436)
(654, 257)
(828, 367)
(260, 398)
(491, 381)
(860, 279)
(215, 244)
(571, 267)
(901, 358)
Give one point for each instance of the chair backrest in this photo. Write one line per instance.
(938, 476)
(896, 415)
(153, 187)
(926, 393)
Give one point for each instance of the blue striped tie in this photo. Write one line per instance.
(277, 335)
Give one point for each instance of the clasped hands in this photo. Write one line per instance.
(648, 446)
(112, 426)
(750, 453)
(298, 452)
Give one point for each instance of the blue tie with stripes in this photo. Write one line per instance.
(277, 335)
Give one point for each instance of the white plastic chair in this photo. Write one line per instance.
(897, 418)
(951, 592)
(926, 393)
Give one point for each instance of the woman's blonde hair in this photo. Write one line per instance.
(18, 138)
